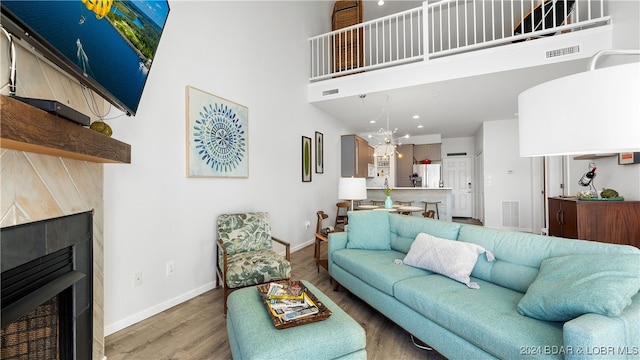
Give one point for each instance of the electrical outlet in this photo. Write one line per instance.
(171, 268)
(137, 279)
(307, 224)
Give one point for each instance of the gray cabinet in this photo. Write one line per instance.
(427, 151)
(404, 165)
(356, 155)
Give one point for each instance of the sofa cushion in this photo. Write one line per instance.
(404, 230)
(569, 286)
(368, 230)
(244, 232)
(376, 268)
(450, 258)
(486, 317)
(256, 267)
(519, 254)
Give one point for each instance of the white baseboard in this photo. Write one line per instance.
(145, 314)
(156, 309)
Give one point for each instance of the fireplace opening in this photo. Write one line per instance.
(35, 335)
(47, 289)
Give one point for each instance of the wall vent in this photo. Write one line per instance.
(511, 214)
(329, 92)
(563, 52)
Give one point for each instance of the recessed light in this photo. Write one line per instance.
(420, 126)
(416, 116)
(381, 2)
(372, 121)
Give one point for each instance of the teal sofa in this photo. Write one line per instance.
(539, 297)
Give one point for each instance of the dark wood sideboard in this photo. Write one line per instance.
(616, 222)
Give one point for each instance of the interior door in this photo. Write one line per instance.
(458, 175)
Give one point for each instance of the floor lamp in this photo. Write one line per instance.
(592, 112)
(352, 189)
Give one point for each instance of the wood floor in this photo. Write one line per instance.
(196, 329)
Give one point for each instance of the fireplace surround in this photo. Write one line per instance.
(45, 260)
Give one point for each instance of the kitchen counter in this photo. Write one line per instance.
(409, 188)
(417, 195)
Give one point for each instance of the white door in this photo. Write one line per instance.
(458, 175)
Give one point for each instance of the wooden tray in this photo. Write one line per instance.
(601, 199)
(323, 311)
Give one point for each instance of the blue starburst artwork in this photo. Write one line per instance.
(217, 136)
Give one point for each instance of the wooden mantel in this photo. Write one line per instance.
(27, 128)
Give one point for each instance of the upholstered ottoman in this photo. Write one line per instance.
(252, 334)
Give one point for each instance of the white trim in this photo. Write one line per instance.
(156, 309)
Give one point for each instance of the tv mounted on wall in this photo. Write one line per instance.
(108, 45)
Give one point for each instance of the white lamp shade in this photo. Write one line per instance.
(593, 112)
(352, 189)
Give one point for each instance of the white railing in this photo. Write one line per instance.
(449, 27)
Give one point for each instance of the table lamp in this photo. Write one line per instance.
(352, 189)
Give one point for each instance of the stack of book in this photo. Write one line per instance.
(289, 302)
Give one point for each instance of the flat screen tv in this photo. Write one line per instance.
(108, 45)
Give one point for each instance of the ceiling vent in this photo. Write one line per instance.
(563, 52)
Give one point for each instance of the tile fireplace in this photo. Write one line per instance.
(47, 281)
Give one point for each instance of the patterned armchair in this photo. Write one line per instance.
(245, 255)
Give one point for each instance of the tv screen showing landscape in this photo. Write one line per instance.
(108, 45)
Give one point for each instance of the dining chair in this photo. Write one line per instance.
(429, 214)
(341, 214)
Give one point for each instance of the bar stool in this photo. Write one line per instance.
(427, 203)
(377, 202)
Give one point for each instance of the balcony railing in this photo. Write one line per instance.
(449, 27)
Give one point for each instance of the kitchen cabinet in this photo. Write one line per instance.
(427, 151)
(356, 155)
(404, 165)
(616, 222)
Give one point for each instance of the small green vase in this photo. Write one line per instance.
(388, 203)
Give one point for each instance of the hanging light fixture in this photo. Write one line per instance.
(386, 142)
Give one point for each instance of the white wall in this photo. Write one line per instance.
(249, 53)
(507, 176)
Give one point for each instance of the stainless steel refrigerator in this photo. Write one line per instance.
(428, 174)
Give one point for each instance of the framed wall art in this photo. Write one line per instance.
(319, 153)
(306, 159)
(217, 136)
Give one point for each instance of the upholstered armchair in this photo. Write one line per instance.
(245, 253)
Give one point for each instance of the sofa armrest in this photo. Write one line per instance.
(287, 247)
(593, 336)
(337, 241)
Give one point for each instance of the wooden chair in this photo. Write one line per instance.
(246, 239)
(429, 214)
(321, 216)
(377, 202)
(341, 214)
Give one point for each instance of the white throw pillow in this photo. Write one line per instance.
(454, 259)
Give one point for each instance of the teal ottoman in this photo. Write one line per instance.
(252, 335)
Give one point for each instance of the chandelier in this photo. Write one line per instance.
(387, 144)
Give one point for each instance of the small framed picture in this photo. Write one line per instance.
(319, 153)
(306, 159)
(629, 158)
